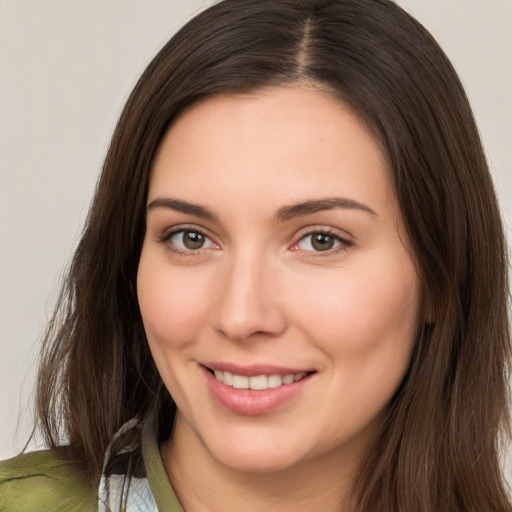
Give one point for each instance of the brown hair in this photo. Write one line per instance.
(439, 448)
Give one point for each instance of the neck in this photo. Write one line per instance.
(203, 484)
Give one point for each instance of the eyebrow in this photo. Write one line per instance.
(284, 213)
(317, 205)
(179, 205)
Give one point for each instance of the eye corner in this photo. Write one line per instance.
(186, 240)
(321, 242)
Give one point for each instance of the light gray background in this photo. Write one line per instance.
(66, 68)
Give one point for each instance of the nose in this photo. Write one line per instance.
(248, 304)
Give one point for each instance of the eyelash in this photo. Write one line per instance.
(166, 237)
(344, 243)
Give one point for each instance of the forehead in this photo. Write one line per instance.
(282, 142)
(299, 111)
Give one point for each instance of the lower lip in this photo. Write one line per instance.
(251, 402)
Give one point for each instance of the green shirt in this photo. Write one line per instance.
(41, 482)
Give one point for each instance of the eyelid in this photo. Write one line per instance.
(168, 233)
(344, 238)
(345, 241)
(172, 230)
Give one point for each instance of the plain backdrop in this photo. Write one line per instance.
(66, 68)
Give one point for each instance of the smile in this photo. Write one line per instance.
(257, 382)
(256, 389)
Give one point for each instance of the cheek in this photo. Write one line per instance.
(364, 313)
(173, 304)
(364, 319)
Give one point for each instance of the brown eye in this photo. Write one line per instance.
(320, 241)
(190, 240)
(193, 240)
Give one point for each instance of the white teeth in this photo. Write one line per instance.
(274, 381)
(257, 382)
(240, 382)
(289, 378)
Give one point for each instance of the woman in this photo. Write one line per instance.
(291, 291)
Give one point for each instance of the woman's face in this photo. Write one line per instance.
(275, 258)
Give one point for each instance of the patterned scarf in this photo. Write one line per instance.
(124, 485)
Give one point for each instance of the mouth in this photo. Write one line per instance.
(257, 382)
(255, 389)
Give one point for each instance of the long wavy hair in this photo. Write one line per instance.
(439, 449)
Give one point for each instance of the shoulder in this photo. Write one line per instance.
(40, 479)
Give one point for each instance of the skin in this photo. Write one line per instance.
(259, 291)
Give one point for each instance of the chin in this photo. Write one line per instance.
(249, 461)
(254, 453)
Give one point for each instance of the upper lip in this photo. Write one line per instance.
(253, 370)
